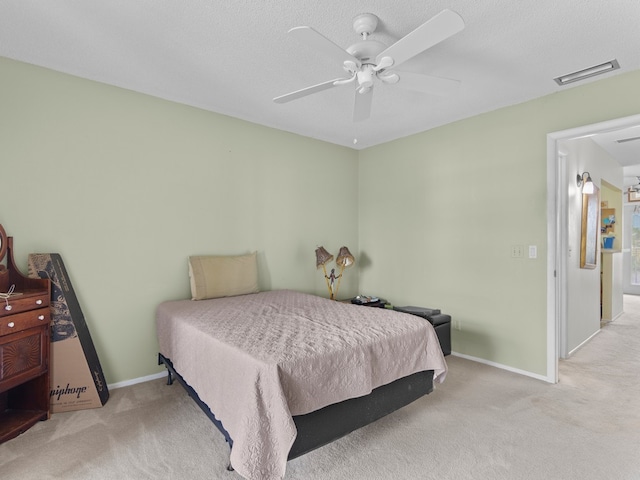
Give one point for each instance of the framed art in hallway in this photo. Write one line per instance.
(633, 195)
(590, 227)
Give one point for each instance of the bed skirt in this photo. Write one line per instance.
(334, 421)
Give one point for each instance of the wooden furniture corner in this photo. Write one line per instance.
(24, 347)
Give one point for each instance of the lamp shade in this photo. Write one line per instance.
(322, 257)
(585, 183)
(345, 259)
(588, 186)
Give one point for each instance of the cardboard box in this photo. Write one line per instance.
(77, 381)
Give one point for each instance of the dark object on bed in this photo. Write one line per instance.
(441, 323)
(369, 301)
(332, 422)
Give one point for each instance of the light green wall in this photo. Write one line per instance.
(440, 211)
(125, 187)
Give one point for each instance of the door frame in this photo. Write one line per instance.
(557, 235)
(627, 219)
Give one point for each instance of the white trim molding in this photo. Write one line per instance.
(557, 241)
(500, 366)
(133, 381)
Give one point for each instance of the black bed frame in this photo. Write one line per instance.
(334, 421)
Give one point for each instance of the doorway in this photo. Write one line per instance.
(631, 249)
(558, 247)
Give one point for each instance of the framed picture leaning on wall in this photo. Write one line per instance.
(590, 229)
(633, 195)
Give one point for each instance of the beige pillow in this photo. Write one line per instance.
(215, 276)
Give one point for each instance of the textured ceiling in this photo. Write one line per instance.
(233, 57)
(624, 146)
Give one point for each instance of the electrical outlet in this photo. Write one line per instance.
(517, 251)
(457, 325)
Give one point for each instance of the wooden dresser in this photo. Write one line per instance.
(24, 346)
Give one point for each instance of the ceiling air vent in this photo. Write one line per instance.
(587, 72)
(624, 140)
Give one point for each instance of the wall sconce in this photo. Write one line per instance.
(587, 188)
(344, 260)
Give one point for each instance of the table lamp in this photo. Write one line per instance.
(344, 260)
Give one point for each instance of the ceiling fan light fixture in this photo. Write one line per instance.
(350, 67)
(385, 62)
(365, 78)
(367, 60)
(588, 72)
(389, 78)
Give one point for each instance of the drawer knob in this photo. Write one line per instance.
(11, 325)
(39, 302)
(40, 317)
(8, 307)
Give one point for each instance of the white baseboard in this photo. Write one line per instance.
(156, 376)
(617, 316)
(133, 381)
(584, 343)
(503, 367)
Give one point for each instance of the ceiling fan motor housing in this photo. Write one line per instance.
(365, 24)
(367, 51)
(370, 60)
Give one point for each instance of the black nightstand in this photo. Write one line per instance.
(441, 324)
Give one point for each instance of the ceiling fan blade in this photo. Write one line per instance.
(303, 92)
(439, 28)
(362, 107)
(322, 44)
(427, 83)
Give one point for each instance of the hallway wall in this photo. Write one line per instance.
(583, 302)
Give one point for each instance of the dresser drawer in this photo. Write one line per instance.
(23, 356)
(23, 303)
(25, 320)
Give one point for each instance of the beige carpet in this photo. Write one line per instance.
(482, 423)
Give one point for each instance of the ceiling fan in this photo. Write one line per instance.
(368, 60)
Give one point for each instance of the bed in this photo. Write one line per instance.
(283, 372)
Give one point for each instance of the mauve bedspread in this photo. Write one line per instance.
(256, 360)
